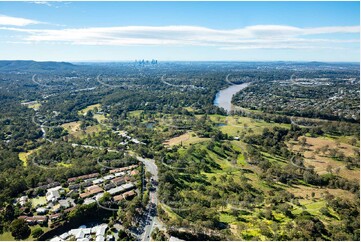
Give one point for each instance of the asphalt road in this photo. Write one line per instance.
(151, 219)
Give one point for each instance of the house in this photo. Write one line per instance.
(64, 203)
(134, 172)
(123, 169)
(128, 186)
(95, 189)
(54, 217)
(108, 177)
(74, 187)
(79, 234)
(110, 237)
(41, 211)
(53, 184)
(120, 189)
(100, 230)
(64, 236)
(98, 181)
(119, 174)
(35, 219)
(56, 238)
(129, 194)
(57, 188)
(52, 194)
(84, 234)
(118, 181)
(90, 179)
(83, 239)
(73, 179)
(87, 183)
(118, 198)
(116, 190)
(100, 238)
(89, 201)
(85, 194)
(172, 238)
(109, 186)
(49, 205)
(22, 200)
(69, 210)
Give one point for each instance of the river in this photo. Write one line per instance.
(224, 97)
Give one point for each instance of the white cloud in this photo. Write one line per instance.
(257, 36)
(42, 3)
(13, 21)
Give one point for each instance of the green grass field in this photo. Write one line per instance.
(8, 237)
(89, 108)
(38, 201)
(135, 113)
(23, 156)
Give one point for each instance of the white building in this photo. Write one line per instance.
(23, 200)
(108, 177)
(98, 181)
(52, 195)
(41, 210)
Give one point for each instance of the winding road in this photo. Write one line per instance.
(228, 81)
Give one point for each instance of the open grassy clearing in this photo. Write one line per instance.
(89, 130)
(345, 139)
(235, 125)
(99, 117)
(302, 192)
(38, 201)
(185, 139)
(332, 143)
(35, 106)
(23, 156)
(8, 237)
(89, 108)
(177, 140)
(74, 130)
(62, 164)
(72, 127)
(322, 161)
(190, 109)
(135, 113)
(311, 206)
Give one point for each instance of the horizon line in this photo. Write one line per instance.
(127, 61)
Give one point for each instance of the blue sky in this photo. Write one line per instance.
(244, 31)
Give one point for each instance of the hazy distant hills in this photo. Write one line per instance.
(8, 66)
(35, 66)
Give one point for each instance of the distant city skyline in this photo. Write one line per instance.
(180, 31)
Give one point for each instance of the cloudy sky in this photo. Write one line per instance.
(245, 31)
